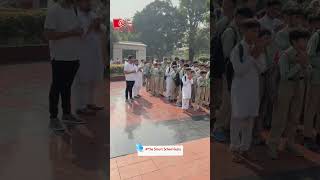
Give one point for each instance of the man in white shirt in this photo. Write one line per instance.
(129, 72)
(63, 31)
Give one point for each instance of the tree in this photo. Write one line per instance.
(195, 12)
(160, 26)
(202, 42)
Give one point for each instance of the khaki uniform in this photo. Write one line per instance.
(162, 70)
(207, 90)
(147, 75)
(282, 39)
(313, 93)
(194, 87)
(269, 83)
(200, 93)
(289, 105)
(152, 80)
(156, 81)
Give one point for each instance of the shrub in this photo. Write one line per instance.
(116, 69)
(22, 24)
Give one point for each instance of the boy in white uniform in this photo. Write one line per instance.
(187, 82)
(245, 99)
(92, 60)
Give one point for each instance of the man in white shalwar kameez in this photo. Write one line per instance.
(90, 74)
(138, 80)
(245, 98)
(187, 82)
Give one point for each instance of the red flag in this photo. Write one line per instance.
(118, 23)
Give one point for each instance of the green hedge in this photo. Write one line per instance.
(116, 69)
(22, 27)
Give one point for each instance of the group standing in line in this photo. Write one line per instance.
(266, 76)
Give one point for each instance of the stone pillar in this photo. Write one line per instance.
(141, 53)
(117, 53)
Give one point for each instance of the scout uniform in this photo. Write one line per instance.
(207, 89)
(288, 108)
(152, 78)
(313, 96)
(156, 80)
(162, 71)
(147, 75)
(201, 90)
(282, 39)
(194, 86)
(181, 74)
(170, 84)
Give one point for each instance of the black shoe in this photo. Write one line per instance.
(310, 144)
(71, 119)
(56, 125)
(94, 107)
(318, 139)
(86, 112)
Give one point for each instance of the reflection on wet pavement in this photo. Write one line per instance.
(123, 140)
(28, 149)
(150, 121)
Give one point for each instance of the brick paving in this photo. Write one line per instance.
(193, 165)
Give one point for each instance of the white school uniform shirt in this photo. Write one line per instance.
(138, 74)
(61, 19)
(91, 62)
(270, 24)
(129, 67)
(187, 87)
(170, 74)
(245, 99)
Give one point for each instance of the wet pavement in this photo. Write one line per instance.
(150, 121)
(153, 121)
(261, 167)
(28, 149)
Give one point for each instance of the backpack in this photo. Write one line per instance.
(230, 70)
(219, 62)
(177, 79)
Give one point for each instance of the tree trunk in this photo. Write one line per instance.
(191, 44)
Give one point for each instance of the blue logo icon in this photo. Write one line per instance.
(139, 147)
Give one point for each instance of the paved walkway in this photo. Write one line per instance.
(262, 167)
(153, 121)
(28, 149)
(193, 165)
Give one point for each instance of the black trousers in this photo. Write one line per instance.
(63, 73)
(129, 87)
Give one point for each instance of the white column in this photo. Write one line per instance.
(117, 53)
(141, 53)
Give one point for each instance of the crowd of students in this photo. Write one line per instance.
(266, 76)
(185, 83)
